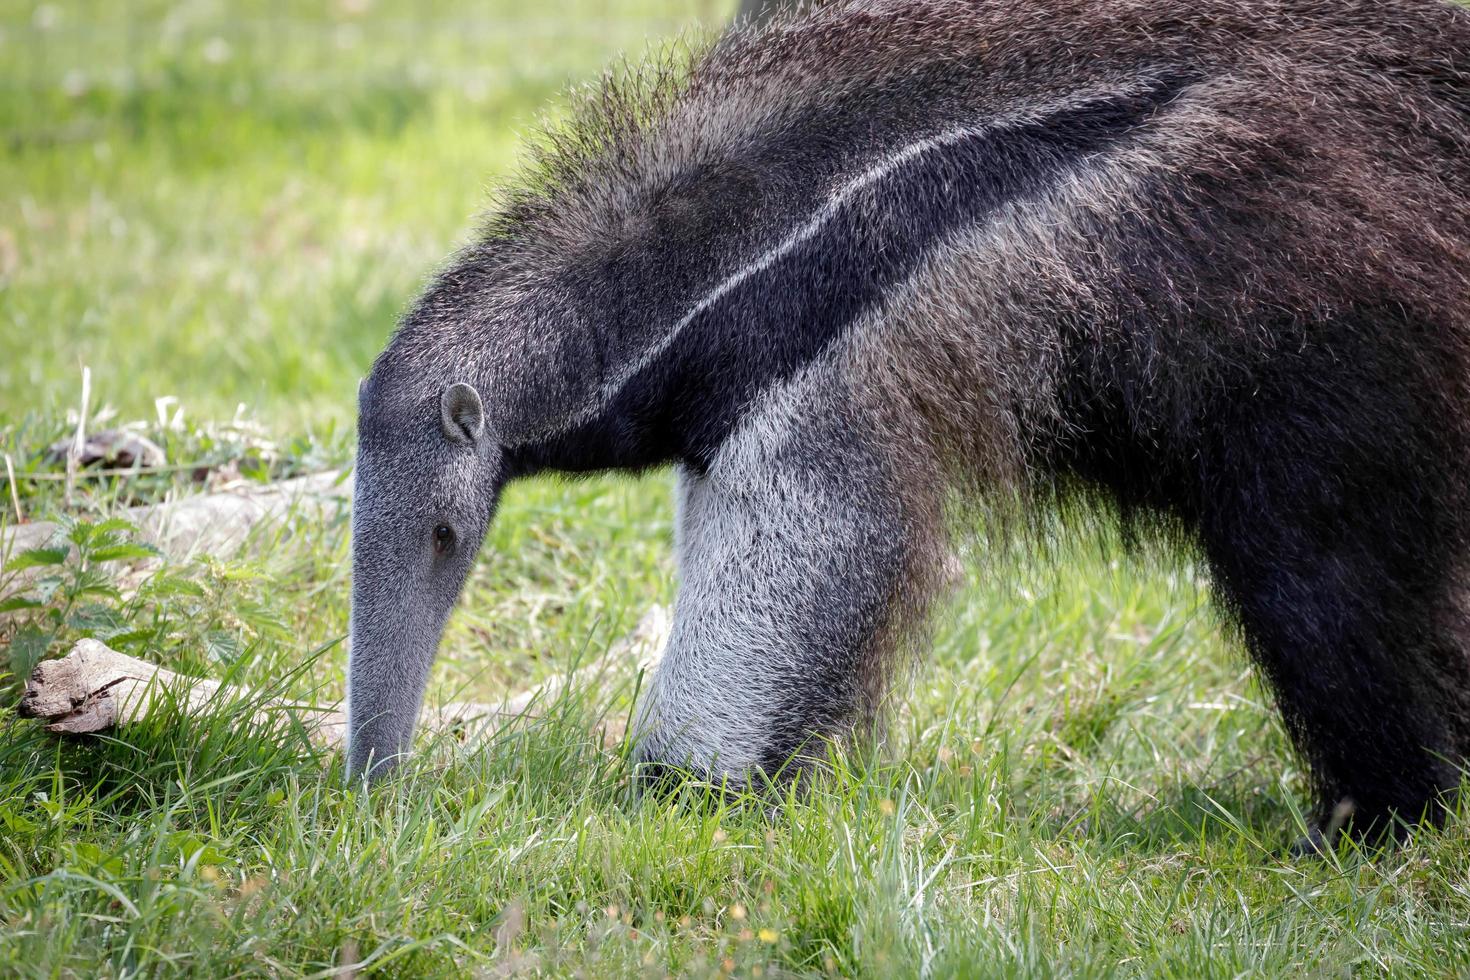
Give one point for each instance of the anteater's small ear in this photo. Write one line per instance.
(461, 412)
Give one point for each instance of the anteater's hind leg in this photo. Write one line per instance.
(1332, 513)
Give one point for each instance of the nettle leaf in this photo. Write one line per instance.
(37, 558)
(221, 646)
(27, 648)
(237, 572)
(130, 637)
(93, 582)
(131, 551)
(166, 585)
(261, 618)
(114, 525)
(18, 602)
(100, 534)
(97, 621)
(78, 533)
(44, 589)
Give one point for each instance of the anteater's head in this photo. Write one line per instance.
(428, 476)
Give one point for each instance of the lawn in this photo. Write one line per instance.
(213, 205)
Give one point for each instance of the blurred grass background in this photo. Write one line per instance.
(231, 202)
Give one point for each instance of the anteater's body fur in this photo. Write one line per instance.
(1208, 260)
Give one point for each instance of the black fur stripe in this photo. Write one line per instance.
(684, 404)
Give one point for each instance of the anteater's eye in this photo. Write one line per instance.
(443, 538)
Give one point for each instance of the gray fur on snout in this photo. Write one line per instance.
(421, 465)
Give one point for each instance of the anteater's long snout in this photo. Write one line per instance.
(392, 647)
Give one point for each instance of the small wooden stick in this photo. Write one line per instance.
(75, 452)
(94, 688)
(20, 515)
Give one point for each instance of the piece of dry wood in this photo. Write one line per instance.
(213, 523)
(94, 687)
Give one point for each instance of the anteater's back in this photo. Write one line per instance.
(1196, 178)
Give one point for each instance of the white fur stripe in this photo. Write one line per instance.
(835, 200)
(803, 233)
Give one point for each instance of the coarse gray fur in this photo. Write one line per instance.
(867, 271)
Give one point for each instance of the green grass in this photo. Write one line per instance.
(1081, 778)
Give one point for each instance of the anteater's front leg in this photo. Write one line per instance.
(793, 559)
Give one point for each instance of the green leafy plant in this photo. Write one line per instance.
(86, 582)
(70, 598)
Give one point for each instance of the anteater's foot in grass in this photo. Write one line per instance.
(696, 791)
(1383, 830)
(1314, 844)
(659, 780)
(670, 783)
(1323, 838)
(1322, 842)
